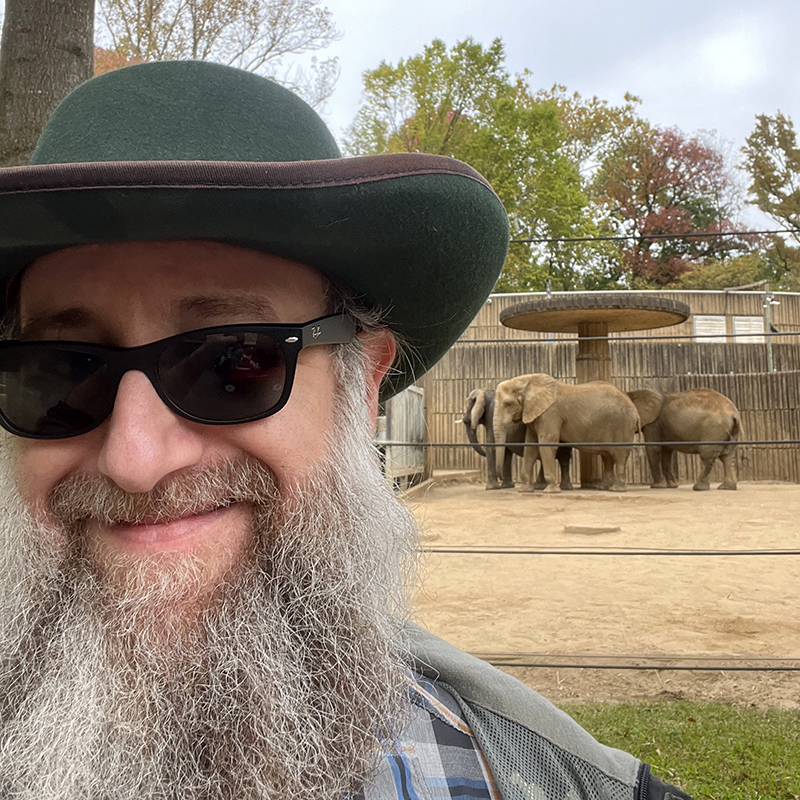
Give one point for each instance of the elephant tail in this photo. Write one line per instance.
(736, 429)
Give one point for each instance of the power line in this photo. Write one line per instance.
(647, 236)
(500, 550)
(734, 442)
(612, 337)
(685, 663)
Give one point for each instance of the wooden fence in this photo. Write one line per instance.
(769, 402)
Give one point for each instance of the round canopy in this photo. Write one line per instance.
(563, 314)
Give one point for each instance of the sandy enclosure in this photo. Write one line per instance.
(619, 605)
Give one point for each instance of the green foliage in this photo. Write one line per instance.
(593, 128)
(710, 750)
(772, 159)
(782, 266)
(565, 167)
(463, 103)
(739, 271)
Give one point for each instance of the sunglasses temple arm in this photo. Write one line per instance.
(329, 330)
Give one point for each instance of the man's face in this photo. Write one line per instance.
(250, 645)
(131, 294)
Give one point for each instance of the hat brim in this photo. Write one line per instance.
(421, 237)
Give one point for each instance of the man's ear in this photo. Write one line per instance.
(380, 349)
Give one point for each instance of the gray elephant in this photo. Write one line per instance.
(696, 415)
(480, 411)
(559, 412)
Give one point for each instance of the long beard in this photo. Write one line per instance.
(132, 679)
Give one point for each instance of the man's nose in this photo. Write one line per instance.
(145, 441)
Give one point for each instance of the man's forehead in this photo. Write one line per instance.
(194, 278)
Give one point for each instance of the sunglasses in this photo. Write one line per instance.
(225, 375)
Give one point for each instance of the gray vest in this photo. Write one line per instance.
(535, 751)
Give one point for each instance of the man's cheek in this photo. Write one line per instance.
(40, 465)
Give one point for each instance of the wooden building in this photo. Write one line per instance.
(761, 374)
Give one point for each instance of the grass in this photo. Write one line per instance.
(712, 751)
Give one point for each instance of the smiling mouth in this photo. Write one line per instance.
(160, 530)
(168, 518)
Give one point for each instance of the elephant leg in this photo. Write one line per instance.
(491, 462)
(669, 463)
(564, 456)
(548, 456)
(654, 455)
(507, 480)
(540, 481)
(528, 463)
(619, 460)
(608, 472)
(708, 456)
(728, 459)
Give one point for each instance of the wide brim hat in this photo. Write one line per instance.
(190, 150)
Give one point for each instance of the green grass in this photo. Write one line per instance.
(712, 751)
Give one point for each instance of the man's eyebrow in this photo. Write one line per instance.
(34, 325)
(256, 309)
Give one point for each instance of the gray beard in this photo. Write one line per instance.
(131, 680)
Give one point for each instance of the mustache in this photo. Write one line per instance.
(83, 496)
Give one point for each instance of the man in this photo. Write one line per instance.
(205, 579)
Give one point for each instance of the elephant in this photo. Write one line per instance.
(480, 411)
(695, 415)
(554, 412)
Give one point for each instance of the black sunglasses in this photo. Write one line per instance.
(218, 376)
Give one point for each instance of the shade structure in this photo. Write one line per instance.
(593, 316)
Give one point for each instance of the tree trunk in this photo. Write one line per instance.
(46, 52)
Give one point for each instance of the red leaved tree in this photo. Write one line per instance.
(658, 182)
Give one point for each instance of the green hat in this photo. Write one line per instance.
(191, 150)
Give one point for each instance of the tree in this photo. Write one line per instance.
(659, 183)
(592, 127)
(740, 271)
(463, 103)
(593, 130)
(255, 35)
(46, 52)
(772, 159)
(109, 60)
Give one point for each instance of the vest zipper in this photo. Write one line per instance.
(643, 782)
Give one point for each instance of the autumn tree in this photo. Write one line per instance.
(593, 128)
(461, 102)
(46, 52)
(106, 60)
(256, 35)
(741, 270)
(658, 186)
(772, 160)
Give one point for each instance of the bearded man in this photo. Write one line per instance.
(205, 578)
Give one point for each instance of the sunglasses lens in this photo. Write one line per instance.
(53, 392)
(223, 377)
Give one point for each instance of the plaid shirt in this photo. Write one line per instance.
(436, 757)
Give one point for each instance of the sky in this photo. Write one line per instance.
(708, 65)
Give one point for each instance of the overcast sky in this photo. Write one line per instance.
(710, 64)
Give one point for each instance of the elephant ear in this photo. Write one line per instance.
(648, 403)
(479, 406)
(539, 394)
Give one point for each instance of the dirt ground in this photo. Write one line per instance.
(578, 606)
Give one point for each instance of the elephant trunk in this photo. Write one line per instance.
(472, 435)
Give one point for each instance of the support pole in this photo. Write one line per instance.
(592, 364)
